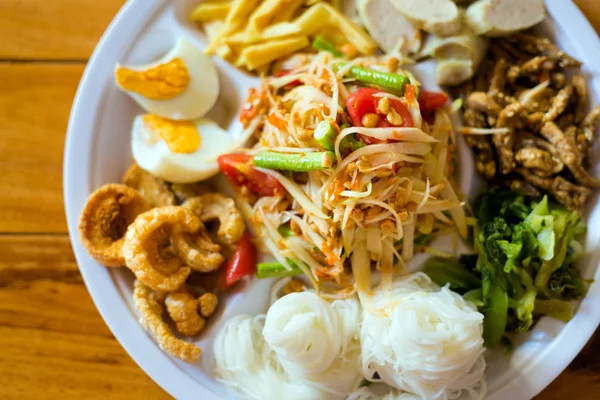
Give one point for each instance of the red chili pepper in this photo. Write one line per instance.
(243, 262)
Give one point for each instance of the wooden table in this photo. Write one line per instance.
(54, 343)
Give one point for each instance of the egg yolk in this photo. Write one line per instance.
(180, 136)
(162, 82)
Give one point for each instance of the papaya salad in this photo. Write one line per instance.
(352, 166)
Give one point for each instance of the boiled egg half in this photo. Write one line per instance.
(183, 85)
(178, 151)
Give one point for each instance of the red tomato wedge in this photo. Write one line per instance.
(363, 102)
(429, 101)
(243, 262)
(238, 169)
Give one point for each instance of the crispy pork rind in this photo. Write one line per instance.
(197, 249)
(188, 312)
(184, 191)
(216, 206)
(104, 220)
(149, 305)
(182, 307)
(155, 190)
(148, 250)
(207, 304)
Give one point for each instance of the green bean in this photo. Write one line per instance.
(285, 230)
(276, 270)
(350, 144)
(388, 81)
(321, 44)
(294, 162)
(325, 134)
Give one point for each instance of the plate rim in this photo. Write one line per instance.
(162, 368)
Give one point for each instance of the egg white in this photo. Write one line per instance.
(196, 99)
(152, 153)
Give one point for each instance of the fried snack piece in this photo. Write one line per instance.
(484, 154)
(498, 79)
(580, 86)
(207, 304)
(148, 251)
(588, 125)
(182, 307)
(573, 196)
(104, 220)
(480, 101)
(539, 45)
(551, 164)
(189, 313)
(504, 142)
(559, 103)
(569, 154)
(197, 249)
(184, 191)
(153, 189)
(149, 305)
(534, 158)
(215, 206)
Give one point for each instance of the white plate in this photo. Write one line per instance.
(97, 152)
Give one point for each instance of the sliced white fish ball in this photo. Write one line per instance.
(503, 17)
(389, 26)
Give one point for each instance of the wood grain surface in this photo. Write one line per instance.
(54, 343)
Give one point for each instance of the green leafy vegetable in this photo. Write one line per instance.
(566, 283)
(558, 309)
(496, 311)
(475, 297)
(525, 251)
(449, 270)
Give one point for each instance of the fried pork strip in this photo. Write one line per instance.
(523, 112)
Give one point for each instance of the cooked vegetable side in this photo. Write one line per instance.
(524, 258)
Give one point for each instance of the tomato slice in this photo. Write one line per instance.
(243, 262)
(400, 108)
(429, 101)
(363, 102)
(360, 103)
(238, 169)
